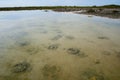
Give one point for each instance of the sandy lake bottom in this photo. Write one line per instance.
(38, 45)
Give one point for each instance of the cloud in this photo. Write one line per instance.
(6, 3)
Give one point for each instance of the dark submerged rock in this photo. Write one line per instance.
(21, 67)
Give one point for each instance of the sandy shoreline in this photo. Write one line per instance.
(110, 11)
(103, 12)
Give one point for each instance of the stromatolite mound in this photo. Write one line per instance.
(21, 67)
(53, 47)
(73, 51)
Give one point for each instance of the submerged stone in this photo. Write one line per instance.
(21, 67)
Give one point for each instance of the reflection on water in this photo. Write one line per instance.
(38, 45)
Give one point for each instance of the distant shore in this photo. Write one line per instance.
(111, 11)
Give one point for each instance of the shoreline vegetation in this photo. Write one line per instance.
(111, 11)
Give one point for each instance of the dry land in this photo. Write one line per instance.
(111, 11)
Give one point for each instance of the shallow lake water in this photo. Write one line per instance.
(39, 45)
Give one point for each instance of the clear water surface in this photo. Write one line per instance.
(39, 45)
